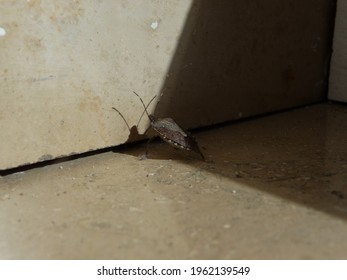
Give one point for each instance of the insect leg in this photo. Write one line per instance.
(147, 145)
(202, 156)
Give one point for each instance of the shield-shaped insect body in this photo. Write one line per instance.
(168, 130)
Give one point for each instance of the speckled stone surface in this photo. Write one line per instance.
(274, 187)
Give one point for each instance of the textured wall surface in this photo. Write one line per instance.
(338, 73)
(64, 64)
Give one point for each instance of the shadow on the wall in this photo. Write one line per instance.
(239, 58)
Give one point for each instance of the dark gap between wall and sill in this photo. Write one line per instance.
(124, 147)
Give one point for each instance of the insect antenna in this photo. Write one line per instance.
(122, 118)
(144, 106)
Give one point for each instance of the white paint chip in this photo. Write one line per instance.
(154, 25)
(2, 31)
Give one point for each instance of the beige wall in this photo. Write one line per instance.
(64, 64)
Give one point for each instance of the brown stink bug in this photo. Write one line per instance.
(168, 130)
